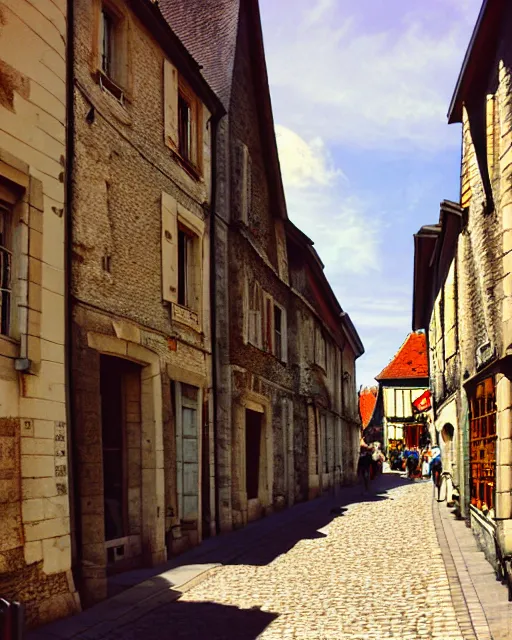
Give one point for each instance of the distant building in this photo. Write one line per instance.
(367, 401)
(401, 385)
(284, 372)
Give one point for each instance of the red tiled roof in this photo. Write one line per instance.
(410, 361)
(367, 402)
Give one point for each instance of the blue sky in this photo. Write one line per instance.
(360, 91)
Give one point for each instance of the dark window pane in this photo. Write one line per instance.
(184, 128)
(107, 42)
(182, 268)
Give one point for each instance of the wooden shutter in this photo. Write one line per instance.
(170, 105)
(169, 248)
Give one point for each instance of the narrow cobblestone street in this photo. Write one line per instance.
(375, 571)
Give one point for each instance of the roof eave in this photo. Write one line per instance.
(464, 79)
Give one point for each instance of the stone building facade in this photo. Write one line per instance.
(463, 291)
(323, 349)
(279, 335)
(143, 121)
(35, 543)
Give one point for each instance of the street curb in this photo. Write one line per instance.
(460, 604)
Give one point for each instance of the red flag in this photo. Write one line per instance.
(422, 403)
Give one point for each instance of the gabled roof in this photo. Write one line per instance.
(479, 55)
(434, 250)
(150, 15)
(410, 361)
(208, 29)
(367, 402)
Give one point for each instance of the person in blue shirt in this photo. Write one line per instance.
(413, 460)
(436, 464)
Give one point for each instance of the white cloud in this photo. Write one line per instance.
(320, 204)
(318, 10)
(303, 164)
(342, 79)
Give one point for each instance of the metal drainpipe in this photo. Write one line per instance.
(73, 490)
(213, 313)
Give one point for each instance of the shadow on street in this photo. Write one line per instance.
(199, 620)
(261, 542)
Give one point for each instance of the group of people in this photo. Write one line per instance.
(416, 462)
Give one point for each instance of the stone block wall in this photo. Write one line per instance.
(35, 543)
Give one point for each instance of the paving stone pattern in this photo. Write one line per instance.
(374, 572)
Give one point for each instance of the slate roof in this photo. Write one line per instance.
(410, 361)
(367, 402)
(208, 29)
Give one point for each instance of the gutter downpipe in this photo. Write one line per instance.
(213, 306)
(73, 489)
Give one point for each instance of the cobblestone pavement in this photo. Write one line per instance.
(374, 572)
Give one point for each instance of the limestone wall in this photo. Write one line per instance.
(35, 544)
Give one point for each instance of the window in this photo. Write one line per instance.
(183, 119)
(111, 50)
(182, 261)
(107, 43)
(255, 305)
(280, 344)
(482, 444)
(278, 336)
(5, 269)
(320, 349)
(184, 128)
(187, 246)
(188, 428)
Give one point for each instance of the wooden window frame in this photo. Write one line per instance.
(194, 163)
(282, 332)
(23, 196)
(117, 80)
(192, 255)
(6, 267)
(482, 443)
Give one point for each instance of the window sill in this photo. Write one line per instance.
(186, 316)
(111, 87)
(189, 168)
(9, 347)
